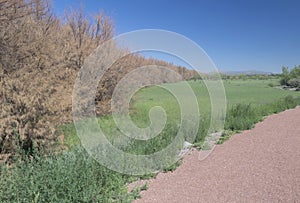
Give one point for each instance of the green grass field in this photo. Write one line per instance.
(258, 93)
(248, 102)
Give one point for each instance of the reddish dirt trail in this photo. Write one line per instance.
(259, 165)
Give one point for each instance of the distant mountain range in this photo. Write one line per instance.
(247, 72)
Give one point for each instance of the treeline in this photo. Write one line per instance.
(291, 77)
(250, 77)
(40, 56)
(223, 76)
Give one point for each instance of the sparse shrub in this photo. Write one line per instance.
(173, 167)
(225, 136)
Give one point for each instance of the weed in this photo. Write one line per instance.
(241, 117)
(72, 176)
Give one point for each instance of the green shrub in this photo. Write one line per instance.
(203, 128)
(241, 117)
(159, 142)
(290, 102)
(225, 136)
(282, 104)
(70, 177)
(244, 116)
(295, 82)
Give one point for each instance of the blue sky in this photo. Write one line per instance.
(261, 35)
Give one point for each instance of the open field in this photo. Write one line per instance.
(258, 93)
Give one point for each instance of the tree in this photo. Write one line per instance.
(285, 76)
(24, 34)
(85, 34)
(290, 78)
(36, 69)
(295, 72)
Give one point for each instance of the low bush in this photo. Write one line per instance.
(295, 82)
(244, 116)
(282, 104)
(69, 177)
(203, 129)
(241, 117)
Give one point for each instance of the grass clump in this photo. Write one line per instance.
(244, 116)
(241, 117)
(225, 136)
(280, 105)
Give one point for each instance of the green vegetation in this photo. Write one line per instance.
(291, 78)
(73, 176)
(244, 116)
(69, 177)
(249, 101)
(38, 68)
(241, 117)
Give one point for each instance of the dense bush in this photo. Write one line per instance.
(40, 56)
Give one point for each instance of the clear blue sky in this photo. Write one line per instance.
(258, 35)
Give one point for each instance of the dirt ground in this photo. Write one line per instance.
(258, 165)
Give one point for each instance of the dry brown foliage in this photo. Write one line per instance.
(40, 56)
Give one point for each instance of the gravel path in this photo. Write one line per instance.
(259, 165)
